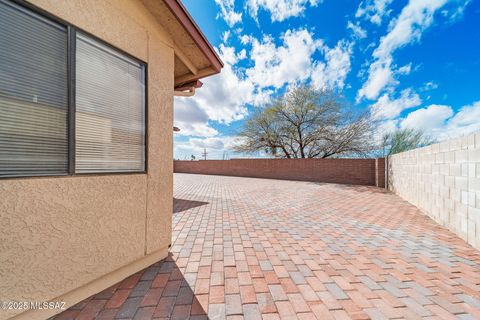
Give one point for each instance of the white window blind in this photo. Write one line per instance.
(33, 94)
(110, 109)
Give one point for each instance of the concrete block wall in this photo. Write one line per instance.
(443, 180)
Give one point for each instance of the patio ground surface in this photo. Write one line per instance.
(248, 248)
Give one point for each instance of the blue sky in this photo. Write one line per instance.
(413, 63)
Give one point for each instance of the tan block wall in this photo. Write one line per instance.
(64, 238)
(347, 171)
(444, 181)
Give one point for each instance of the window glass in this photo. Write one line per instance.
(33, 94)
(110, 109)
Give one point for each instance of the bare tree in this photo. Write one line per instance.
(307, 123)
(403, 140)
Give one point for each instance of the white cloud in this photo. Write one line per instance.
(380, 75)
(242, 54)
(409, 26)
(222, 98)
(275, 66)
(195, 129)
(210, 143)
(357, 30)
(406, 69)
(225, 36)
(437, 121)
(440, 121)
(465, 121)
(333, 72)
(216, 147)
(415, 17)
(191, 119)
(291, 62)
(230, 56)
(455, 13)
(428, 86)
(384, 127)
(427, 119)
(280, 9)
(373, 10)
(227, 12)
(246, 39)
(387, 108)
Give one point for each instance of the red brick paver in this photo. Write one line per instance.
(268, 249)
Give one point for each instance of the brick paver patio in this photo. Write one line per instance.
(267, 249)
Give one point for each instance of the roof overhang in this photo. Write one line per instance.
(186, 20)
(195, 58)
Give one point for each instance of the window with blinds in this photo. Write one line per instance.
(110, 109)
(39, 114)
(33, 94)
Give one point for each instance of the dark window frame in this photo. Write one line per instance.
(71, 86)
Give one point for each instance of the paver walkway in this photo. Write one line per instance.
(267, 249)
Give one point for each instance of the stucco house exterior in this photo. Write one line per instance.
(86, 164)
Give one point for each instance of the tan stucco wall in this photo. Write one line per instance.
(62, 237)
(444, 181)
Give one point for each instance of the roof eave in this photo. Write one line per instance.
(184, 18)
